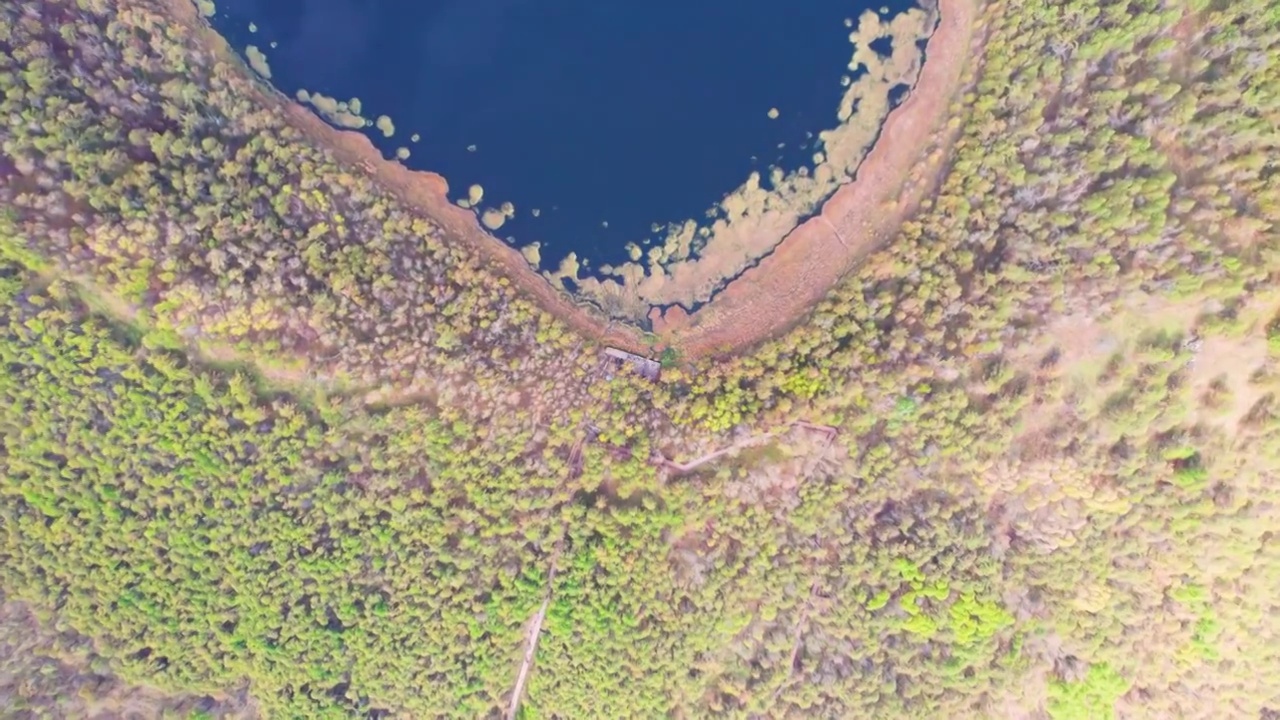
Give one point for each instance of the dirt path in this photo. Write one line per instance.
(746, 442)
(709, 457)
(531, 639)
(797, 639)
(802, 623)
(531, 649)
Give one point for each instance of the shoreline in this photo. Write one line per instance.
(856, 220)
(764, 299)
(422, 192)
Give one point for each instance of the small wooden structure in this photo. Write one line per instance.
(648, 369)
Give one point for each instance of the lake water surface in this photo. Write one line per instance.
(594, 112)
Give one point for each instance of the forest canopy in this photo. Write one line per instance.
(276, 442)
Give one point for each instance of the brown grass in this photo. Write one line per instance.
(890, 184)
(423, 192)
(895, 177)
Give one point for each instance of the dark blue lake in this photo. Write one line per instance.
(592, 111)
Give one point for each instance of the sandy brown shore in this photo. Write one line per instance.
(858, 218)
(766, 299)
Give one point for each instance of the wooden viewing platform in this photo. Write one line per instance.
(649, 369)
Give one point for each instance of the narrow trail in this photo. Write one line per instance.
(531, 640)
(699, 462)
(752, 441)
(802, 624)
(531, 648)
(584, 427)
(797, 641)
(839, 235)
